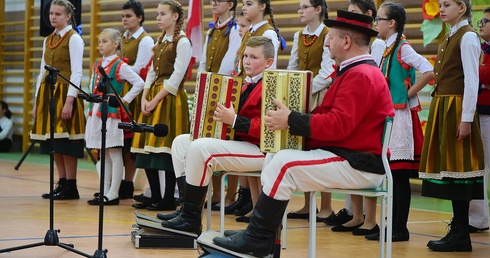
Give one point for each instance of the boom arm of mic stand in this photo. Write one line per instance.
(88, 96)
(118, 98)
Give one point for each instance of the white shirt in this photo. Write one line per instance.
(125, 73)
(145, 52)
(355, 59)
(273, 36)
(377, 50)
(410, 57)
(184, 53)
(470, 56)
(326, 66)
(228, 62)
(76, 62)
(7, 128)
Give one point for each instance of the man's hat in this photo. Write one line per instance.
(354, 21)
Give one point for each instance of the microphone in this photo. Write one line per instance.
(159, 130)
(90, 97)
(102, 71)
(50, 68)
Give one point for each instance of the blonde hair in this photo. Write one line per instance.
(114, 36)
(266, 42)
(467, 13)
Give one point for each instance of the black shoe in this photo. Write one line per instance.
(363, 232)
(332, 215)
(142, 205)
(243, 197)
(126, 190)
(140, 198)
(67, 193)
(57, 190)
(169, 216)
(397, 236)
(341, 228)
(96, 201)
(214, 206)
(472, 229)
(243, 219)
(231, 232)
(161, 206)
(456, 240)
(246, 208)
(294, 215)
(340, 218)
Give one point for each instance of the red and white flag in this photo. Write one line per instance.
(194, 31)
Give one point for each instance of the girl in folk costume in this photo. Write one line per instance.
(310, 53)
(451, 165)
(219, 51)
(136, 52)
(478, 212)
(63, 49)
(118, 72)
(164, 101)
(399, 64)
(255, 11)
(243, 25)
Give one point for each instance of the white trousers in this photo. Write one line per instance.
(198, 159)
(314, 170)
(478, 212)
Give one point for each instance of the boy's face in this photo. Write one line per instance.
(254, 61)
(485, 30)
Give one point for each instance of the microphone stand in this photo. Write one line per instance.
(51, 237)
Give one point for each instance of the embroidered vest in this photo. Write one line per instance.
(59, 57)
(310, 58)
(116, 82)
(218, 40)
(401, 77)
(164, 55)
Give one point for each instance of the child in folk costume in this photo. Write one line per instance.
(136, 47)
(63, 50)
(220, 46)
(255, 11)
(399, 64)
(198, 159)
(6, 127)
(310, 53)
(451, 165)
(164, 101)
(478, 213)
(118, 72)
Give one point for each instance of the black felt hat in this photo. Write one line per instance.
(354, 21)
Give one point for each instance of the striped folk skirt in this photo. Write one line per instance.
(171, 111)
(451, 169)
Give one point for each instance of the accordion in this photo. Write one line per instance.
(293, 89)
(211, 89)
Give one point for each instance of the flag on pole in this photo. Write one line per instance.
(194, 32)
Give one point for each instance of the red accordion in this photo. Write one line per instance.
(211, 89)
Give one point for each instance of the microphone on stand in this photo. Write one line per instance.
(90, 97)
(50, 68)
(159, 130)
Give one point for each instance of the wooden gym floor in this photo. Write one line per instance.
(24, 219)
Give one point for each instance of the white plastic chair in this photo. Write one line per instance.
(385, 191)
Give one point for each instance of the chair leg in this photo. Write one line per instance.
(312, 227)
(209, 204)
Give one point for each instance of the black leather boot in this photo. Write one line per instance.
(190, 218)
(59, 186)
(456, 240)
(181, 185)
(258, 238)
(244, 197)
(126, 190)
(69, 191)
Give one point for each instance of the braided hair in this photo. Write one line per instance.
(324, 12)
(268, 10)
(70, 9)
(137, 9)
(395, 11)
(175, 7)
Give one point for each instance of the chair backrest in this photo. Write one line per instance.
(384, 152)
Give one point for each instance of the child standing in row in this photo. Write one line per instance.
(118, 72)
(164, 101)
